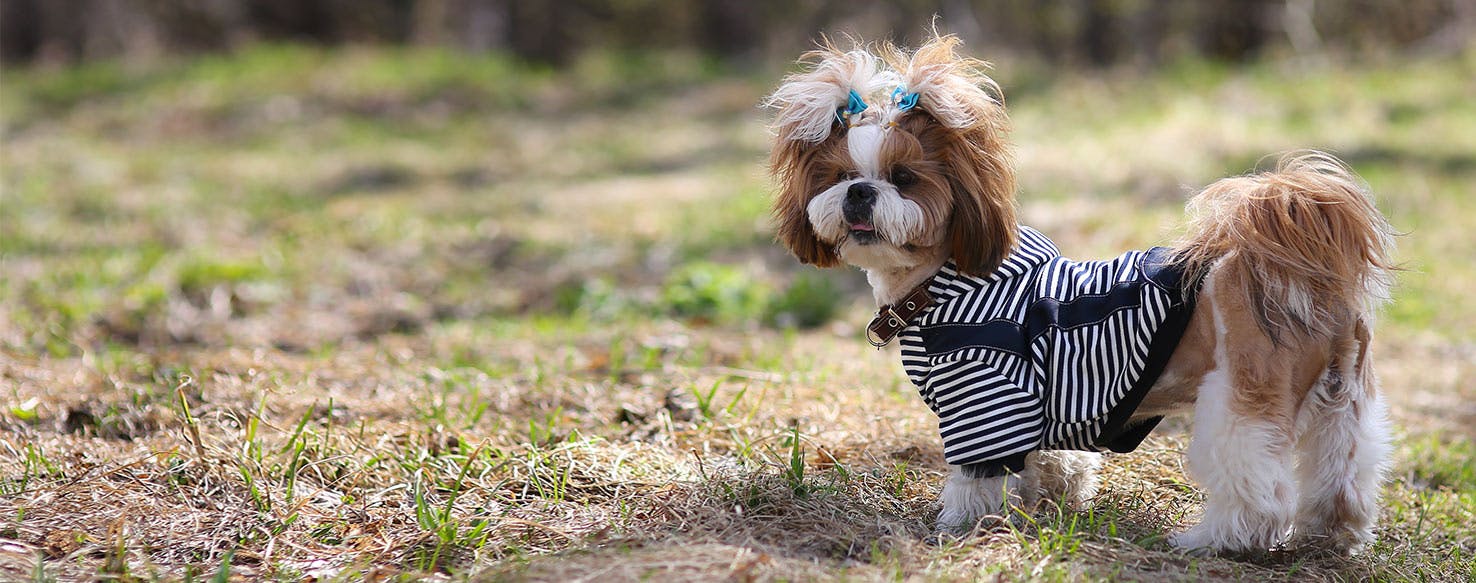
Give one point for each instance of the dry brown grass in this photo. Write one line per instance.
(629, 481)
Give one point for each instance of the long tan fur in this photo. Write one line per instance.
(1316, 248)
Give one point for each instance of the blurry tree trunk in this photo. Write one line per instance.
(1098, 33)
(428, 22)
(542, 31)
(1458, 33)
(20, 29)
(291, 19)
(960, 15)
(1148, 29)
(485, 24)
(471, 25)
(730, 27)
(1301, 30)
(184, 25)
(1232, 30)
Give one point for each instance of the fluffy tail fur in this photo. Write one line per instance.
(1308, 232)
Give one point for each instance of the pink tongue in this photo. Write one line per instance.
(861, 227)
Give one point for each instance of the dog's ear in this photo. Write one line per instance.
(983, 229)
(953, 92)
(815, 106)
(799, 176)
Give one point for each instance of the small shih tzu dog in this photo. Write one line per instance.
(1259, 319)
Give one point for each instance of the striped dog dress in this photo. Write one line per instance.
(1045, 353)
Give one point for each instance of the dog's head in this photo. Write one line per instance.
(885, 162)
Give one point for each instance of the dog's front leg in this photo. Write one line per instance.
(967, 500)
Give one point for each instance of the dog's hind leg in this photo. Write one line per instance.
(1244, 464)
(1342, 447)
(1244, 418)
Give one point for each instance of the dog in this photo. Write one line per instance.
(1258, 321)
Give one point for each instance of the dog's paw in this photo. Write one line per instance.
(940, 537)
(1017, 518)
(1344, 542)
(958, 527)
(1195, 542)
(953, 526)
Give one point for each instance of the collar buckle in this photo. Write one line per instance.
(889, 321)
(879, 341)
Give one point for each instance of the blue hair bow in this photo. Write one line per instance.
(854, 105)
(903, 99)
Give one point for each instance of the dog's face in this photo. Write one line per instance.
(888, 169)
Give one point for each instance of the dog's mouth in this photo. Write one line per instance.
(863, 233)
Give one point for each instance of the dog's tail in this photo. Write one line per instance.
(1316, 249)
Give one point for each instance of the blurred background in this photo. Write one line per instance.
(542, 227)
(301, 174)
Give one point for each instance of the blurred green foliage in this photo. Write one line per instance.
(713, 292)
(1442, 460)
(810, 300)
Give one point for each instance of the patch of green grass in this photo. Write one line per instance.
(737, 220)
(1441, 461)
(74, 85)
(205, 272)
(263, 71)
(1420, 539)
(808, 301)
(713, 292)
(709, 292)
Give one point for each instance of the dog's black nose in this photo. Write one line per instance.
(862, 193)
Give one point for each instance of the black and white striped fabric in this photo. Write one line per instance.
(1044, 353)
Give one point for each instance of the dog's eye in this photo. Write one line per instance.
(903, 177)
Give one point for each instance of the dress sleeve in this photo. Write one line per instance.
(982, 415)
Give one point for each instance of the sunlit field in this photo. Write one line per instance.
(402, 314)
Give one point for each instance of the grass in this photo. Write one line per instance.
(409, 314)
